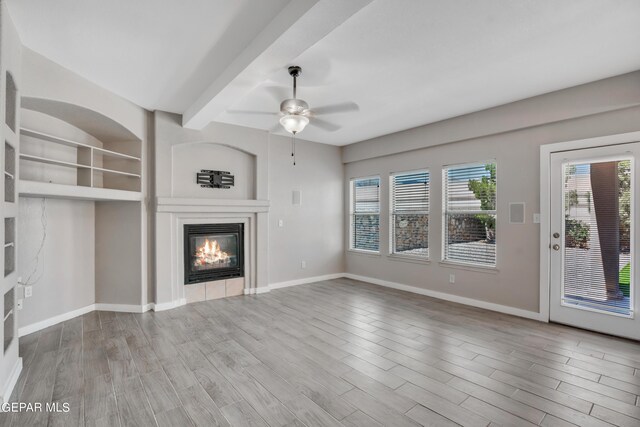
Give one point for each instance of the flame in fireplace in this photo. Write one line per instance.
(210, 254)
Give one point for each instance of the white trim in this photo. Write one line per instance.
(450, 297)
(123, 308)
(168, 305)
(306, 280)
(35, 327)
(257, 291)
(7, 389)
(545, 205)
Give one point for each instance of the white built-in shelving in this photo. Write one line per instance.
(110, 172)
(10, 136)
(9, 173)
(8, 318)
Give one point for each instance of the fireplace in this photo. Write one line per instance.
(213, 252)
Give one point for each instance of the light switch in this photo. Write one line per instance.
(280, 223)
(536, 218)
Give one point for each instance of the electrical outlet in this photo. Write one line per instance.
(452, 278)
(303, 264)
(28, 291)
(19, 304)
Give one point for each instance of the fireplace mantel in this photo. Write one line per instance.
(180, 204)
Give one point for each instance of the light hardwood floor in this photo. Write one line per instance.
(331, 353)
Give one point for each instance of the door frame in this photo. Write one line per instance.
(545, 202)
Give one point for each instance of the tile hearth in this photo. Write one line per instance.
(213, 290)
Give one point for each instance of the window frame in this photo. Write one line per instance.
(353, 213)
(445, 212)
(393, 212)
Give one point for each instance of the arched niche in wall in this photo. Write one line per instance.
(11, 104)
(70, 144)
(189, 158)
(94, 123)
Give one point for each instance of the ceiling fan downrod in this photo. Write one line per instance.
(295, 71)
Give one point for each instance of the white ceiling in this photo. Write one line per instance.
(159, 54)
(404, 62)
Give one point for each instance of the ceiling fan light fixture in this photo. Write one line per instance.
(294, 123)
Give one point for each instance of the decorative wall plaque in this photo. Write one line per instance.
(214, 179)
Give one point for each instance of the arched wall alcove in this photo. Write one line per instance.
(94, 123)
(190, 158)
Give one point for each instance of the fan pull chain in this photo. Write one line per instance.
(293, 149)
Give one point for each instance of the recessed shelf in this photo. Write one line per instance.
(8, 302)
(9, 173)
(9, 260)
(53, 161)
(94, 167)
(11, 101)
(8, 330)
(9, 231)
(133, 175)
(61, 191)
(70, 143)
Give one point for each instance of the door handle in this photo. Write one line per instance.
(556, 247)
(556, 235)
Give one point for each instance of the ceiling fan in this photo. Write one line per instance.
(295, 113)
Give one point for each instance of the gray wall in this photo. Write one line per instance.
(66, 267)
(94, 252)
(312, 231)
(118, 256)
(512, 135)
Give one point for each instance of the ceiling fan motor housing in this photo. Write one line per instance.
(294, 106)
(295, 71)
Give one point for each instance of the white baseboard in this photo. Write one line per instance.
(7, 389)
(450, 297)
(35, 327)
(306, 280)
(257, 291)
(122, 308)
(168, 305)
(127, 308)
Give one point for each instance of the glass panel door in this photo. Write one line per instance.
(597, 236)
(593, 216)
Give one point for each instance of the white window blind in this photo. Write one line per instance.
(598, 264)
(410, 214)
(365, 214)
(470, 214)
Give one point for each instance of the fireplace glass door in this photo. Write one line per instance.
(213, 252)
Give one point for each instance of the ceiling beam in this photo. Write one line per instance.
(298, 27)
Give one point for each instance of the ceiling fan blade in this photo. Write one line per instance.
(324, 125)
(261, 113)
(342, 107)
(278, 93)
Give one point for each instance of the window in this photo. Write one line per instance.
(470, 214)
(410, 214)
(365, 214)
